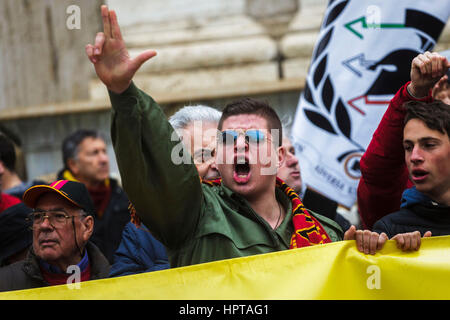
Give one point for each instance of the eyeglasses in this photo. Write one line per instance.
(203, 155)
(57, 218)
(251, 136)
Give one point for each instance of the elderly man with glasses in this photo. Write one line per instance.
(61, 253)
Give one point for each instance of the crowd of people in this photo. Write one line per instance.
(206, 185)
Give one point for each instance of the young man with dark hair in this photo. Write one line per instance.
(384, 175)
(426, 141)
(255, 107)
(248, 212)
(86, 160)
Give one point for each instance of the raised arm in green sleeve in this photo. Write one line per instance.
(167, 196)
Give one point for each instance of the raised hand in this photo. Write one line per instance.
(110, 57)
(441, 90)
(426, 70)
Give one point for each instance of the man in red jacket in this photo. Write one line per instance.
(425, 207)
(384, 175)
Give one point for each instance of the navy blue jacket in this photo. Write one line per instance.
(138, 252)
(417, 213)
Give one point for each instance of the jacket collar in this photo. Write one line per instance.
(285, 228)
(412, 197)
(99, 265)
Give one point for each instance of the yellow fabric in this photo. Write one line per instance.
(332, 271)
(67, 175)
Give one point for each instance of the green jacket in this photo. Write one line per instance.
(196, 222)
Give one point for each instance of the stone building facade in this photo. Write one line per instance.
(209, 52)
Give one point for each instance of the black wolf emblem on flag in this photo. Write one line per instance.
(362, 57)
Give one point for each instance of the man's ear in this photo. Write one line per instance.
(72, 165)
(281, 153)
(88, 229)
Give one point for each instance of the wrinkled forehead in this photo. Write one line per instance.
(91, 143)
(245, 122)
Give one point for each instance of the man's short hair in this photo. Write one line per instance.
(189, 114)
(7, 152)
(256, 107)
(435, 115)
(72, 141)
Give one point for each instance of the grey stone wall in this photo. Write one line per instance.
(209, 51)
(41, 60)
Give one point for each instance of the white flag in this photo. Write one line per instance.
(362, 57)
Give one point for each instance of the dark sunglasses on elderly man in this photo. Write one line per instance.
(251, 136)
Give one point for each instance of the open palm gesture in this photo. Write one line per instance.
(110, 57)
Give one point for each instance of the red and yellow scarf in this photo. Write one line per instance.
(307, 230)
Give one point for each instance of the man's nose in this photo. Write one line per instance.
(46, 224)
(416, 155)
(104, 157)
(291, 160)
(241, 143)
(213, 165)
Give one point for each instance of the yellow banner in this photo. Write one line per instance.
(332, 271)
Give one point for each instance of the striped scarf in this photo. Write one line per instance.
(307, 230)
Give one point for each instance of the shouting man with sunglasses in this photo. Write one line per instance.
(61, 253)
(247, 212)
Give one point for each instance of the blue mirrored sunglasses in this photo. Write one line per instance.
(251, 136)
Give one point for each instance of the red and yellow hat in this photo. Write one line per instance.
(74, 192)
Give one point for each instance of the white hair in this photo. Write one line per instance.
(188, 114)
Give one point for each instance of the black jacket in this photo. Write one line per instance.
(108, 229)
(417, 214)
(26, 274)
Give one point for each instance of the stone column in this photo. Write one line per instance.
(42, 56)
(275, 16)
